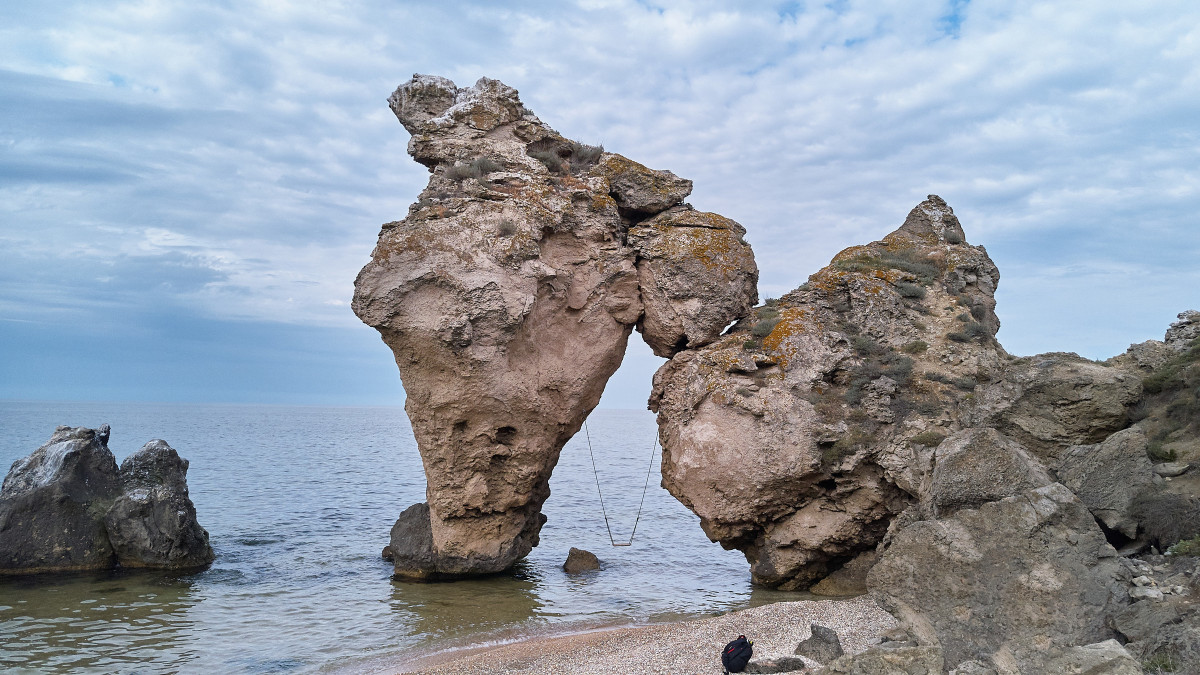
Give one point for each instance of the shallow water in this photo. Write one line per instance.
(299, 501)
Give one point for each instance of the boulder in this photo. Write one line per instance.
(822, 645)
(889, 661)
(1011, 580)
(694, 271)
(797, 435)
(579, 560)
(980, 465)
(52, 505)
(68, 507)
(152, 522)
(1101, 658)
(515, 278)
(1108, 476)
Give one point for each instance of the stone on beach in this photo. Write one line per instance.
(822, 646)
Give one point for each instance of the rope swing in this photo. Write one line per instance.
(607, 526)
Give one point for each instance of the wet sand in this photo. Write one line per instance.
(678, 648)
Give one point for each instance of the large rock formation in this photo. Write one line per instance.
(507, 296)
(68, 507)
(799, 435)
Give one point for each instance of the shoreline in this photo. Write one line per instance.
(688, 646)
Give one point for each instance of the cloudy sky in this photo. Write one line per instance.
(187, 189)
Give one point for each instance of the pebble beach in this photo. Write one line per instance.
(677, 648)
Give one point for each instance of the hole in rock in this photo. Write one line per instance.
(828, 485)
(506, 435)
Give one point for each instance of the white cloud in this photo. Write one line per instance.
(257, 135)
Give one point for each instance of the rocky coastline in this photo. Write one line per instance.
(863, 433)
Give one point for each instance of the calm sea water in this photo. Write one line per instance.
(299, 501)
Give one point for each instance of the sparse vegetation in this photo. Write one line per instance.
(915, 347)
(764, 327)
(1166, 517)
(971, 331)
(953, 237)
(745, 391)
(476, 168)
(908, 260)
(965, 383)
(507, 228)
(929, 438)
(909, 290)
(562, 157)
(750, 345)
(979, 311)
(1188, 547)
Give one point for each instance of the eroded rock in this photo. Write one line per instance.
(507, 296)
(822, 645)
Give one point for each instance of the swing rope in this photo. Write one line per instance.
(645, 487)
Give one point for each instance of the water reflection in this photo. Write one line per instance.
(108, 621)
(452, 610)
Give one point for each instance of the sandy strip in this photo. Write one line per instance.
(684, 647)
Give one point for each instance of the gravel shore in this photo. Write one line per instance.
(678, 648)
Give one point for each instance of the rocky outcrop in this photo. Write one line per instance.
(68, 507)
(1180, 335)
(906, 660)
(1010, 580)
(799, 434)
(507, 296)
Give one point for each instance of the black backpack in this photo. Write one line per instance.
(737, 654)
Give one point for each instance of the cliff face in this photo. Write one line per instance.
(507, 296)
(797, 436)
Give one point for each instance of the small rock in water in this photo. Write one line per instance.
(579, 560)
(387, 554)
(823, 646)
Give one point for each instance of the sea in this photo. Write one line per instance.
(299, 501)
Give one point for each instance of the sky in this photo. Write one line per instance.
(188, 188)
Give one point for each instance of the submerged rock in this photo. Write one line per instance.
(507, 296)
(68, 507)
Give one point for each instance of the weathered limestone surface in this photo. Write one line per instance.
(507, 296)
(68, 507)
(798, 435)
(1108, 476)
